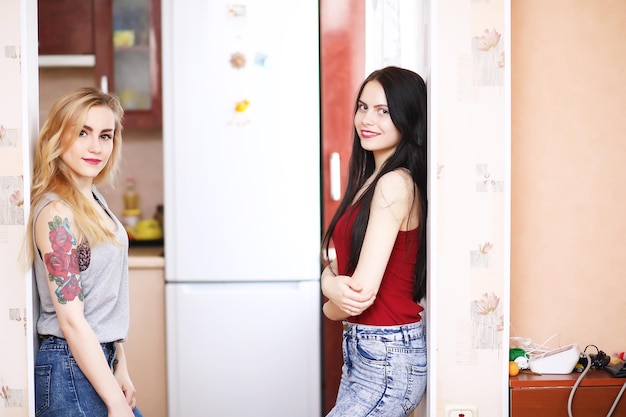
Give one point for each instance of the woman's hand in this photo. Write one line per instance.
(121, 410)
(123, 378)
(127, 388)
(346, 293)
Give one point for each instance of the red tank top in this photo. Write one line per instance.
(394, 303)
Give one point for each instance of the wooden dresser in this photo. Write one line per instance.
(548, 395)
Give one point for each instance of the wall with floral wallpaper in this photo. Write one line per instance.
(460, 47)
(14, 284)
(470, 203)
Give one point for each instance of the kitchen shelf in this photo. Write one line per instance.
(58, 61)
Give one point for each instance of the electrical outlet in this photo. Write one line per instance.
(461, 411)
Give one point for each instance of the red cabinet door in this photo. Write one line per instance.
(342, 32)
(65, 27)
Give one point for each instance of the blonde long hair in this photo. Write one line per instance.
(50, 174)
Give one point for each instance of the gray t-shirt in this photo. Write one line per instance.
(104, 283)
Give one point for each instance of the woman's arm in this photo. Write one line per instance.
(332, 312)
(56, 240)
(123, 377)
(389, 213)
(346, 296)
(392, 209)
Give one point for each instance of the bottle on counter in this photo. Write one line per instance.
(132, 213)
(158, 215)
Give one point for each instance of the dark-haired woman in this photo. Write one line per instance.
(378, 276)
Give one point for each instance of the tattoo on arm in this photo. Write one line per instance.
(63, 262)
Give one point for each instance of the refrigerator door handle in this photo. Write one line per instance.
(335, 176)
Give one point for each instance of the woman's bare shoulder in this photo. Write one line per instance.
(396, 181)
(54, 209)
(394, 187)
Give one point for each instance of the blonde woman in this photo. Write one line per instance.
(79, 253)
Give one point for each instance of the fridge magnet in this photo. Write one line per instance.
(237, 11)
(260, 59)
(238, 60)
(241, 117)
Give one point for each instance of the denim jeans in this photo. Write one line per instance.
(61, 388)
(384, 370)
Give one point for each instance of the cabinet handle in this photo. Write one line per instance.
(104, 84)
(335, 176)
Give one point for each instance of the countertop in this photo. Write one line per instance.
(593, 377)
(148, 257)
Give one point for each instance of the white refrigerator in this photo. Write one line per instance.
(241, 133)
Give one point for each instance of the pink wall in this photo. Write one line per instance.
(568, 248)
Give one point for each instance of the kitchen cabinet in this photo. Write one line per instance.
(145, 346)
(65, 27)
(121, 39)
(548, 395)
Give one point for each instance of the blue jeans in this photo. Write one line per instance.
(384, 370)
(61, 388)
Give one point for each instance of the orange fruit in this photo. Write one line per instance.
(513, 368)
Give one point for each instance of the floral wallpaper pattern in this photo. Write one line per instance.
(470, 136)
(488, 56)
(468, 146)
(13, 324)
(487, 320)
(11, 200)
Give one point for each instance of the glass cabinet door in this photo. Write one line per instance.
(131, 53)
(129, 65)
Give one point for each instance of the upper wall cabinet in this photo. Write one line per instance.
(65, 27)
(121, 39)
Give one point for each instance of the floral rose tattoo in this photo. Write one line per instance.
(63, 262)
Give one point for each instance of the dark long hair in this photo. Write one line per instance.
(406, 98)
